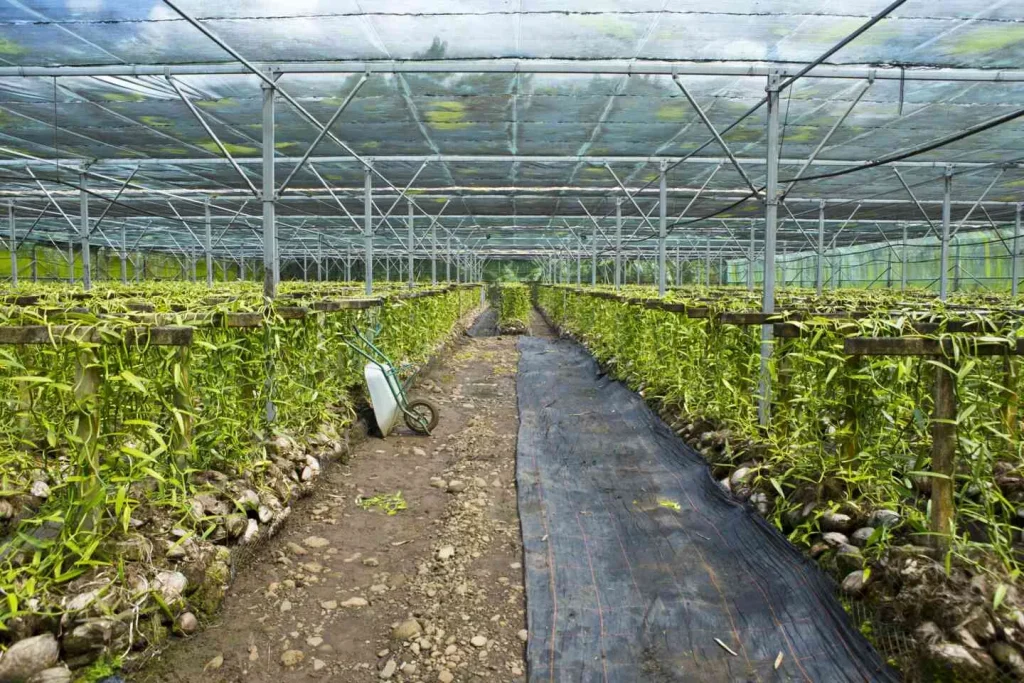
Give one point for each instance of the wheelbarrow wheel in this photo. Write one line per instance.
(422, 416)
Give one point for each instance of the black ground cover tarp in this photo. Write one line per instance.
(485, 325)
(636, 561)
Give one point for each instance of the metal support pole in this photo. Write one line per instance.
(448, 261)
(1016, 252)
(84, 233)
(433, 253)
(771, 217)
(71, 262)
(707, 261)
(13, 245)
(903, 260)
(579, 263)
(412, 237)
(320, 259)
(123, 255)
(618, 243)
(751, 263)
(348, 263)
(241, 268)
(819, 278)
(368, 229)
(270, 256)
(956, 263)
(679, 271)
(662, 228)
(947, 186)
(35, 265)
(208, 243)
(593, 256)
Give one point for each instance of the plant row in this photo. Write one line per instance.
(844, 464)
(124, 442)
(513, 303)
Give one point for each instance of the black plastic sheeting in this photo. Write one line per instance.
(636, 560)
(485, 325)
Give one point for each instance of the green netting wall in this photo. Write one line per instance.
(980, 260)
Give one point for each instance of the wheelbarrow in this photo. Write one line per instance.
(388, 390)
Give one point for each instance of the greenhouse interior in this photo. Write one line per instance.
(511, 340)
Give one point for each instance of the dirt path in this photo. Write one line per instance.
(431, 593)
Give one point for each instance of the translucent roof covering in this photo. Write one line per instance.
(529, 114)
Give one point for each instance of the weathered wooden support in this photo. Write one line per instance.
(87, 431)
(943, 453)
(181, 442)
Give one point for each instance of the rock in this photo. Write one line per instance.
(314, 641)
(389, 670)
(836, 521)
(886, 518)
(835, 539)
(445, 552)
(207, 504)
(215, 663)
(524, 635)
(860, 536)
(170, 585)
(355, 602)
(6, 510)
(81, 601)
(187, 623)
(90, 637)
(408, 668)
(956, 660)
(292, 657)
(965, 637)
(235, 524)
(818, 549)
(445, 676)
(371, 562)
(28, 657)
(797, 516)
(438, 483)
(40, 489)
(329, 605)
(409, 628)
(175, 551)
(419, 452)
(252, 530)
(285, 606)
(928, 633)
(761, 503)
(854, 583)
(741, 476)
(315, 542)
(456, 486)
(318, 664)
(248, 500)
(280, 445)
(724, 483)
(849, 559)
(1008, 656)
(478, 641)
(296, 549)
(264, 514)
(57, 674)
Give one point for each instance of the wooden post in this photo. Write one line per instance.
(943, 453)
(850, 443)
(182, 441)
(86, 391)
(1011, 399)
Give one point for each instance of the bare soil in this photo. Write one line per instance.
(451, 560)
